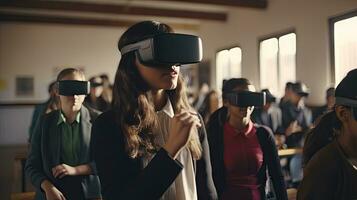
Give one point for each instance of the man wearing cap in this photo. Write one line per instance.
(297, 119)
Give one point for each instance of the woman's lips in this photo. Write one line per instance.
(172, 73)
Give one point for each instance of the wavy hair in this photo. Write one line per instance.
(134, 110)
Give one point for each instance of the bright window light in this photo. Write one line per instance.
(345, 41)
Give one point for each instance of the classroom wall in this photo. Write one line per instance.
(41, 50)
(310, 20)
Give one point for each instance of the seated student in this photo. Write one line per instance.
(151, 144)
(332, 172)
(242, 152)
(59, 162)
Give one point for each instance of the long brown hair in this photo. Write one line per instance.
(134, 111)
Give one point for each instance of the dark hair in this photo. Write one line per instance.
(133, 109)
(327, 128)
(231, 84)
(322, 134)
(51, 86)
(288, 85)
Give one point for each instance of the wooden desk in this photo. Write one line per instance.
(19, 173)
(289, 152)
(23, 196)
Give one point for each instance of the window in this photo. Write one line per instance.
(344, 45)
(277, 59)
(228, 65)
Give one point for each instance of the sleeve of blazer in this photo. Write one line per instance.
(274, 167)
(122, 177)
(33, 167)
(205, 186)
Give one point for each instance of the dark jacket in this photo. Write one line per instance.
(123, 177)
(215, 131)
(45, 153)
(329, 176)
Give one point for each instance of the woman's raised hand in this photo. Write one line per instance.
(180, 131)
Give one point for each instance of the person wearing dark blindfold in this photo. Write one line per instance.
(59, 163)
(95, 99)
(151, 144)
(331, 173)
(242, 152)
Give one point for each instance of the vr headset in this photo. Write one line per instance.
(165, 50)
(70, 87)
(348, 102)
(246, 98)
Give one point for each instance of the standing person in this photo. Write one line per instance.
(59, 162)
(151, 145)
(241, 151)
(107, 94)
(330, 103)
(331, 173)
(94, 99)
(209, 105)
(287, 94)
(50, 105)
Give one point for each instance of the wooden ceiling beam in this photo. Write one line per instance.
(237, 3)
(113, 9)
(49, 19)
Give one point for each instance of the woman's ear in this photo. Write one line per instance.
(342, 113)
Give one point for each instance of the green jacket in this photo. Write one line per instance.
(45, 153)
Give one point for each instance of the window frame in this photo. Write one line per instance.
(331, 23)
(276, 35)
(222, 49)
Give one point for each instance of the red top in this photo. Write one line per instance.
(243, 158)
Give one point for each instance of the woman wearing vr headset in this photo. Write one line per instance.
(332, 172)
(151, 144)
(242, 152)
(59, 162)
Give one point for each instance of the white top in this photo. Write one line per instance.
(184, 186)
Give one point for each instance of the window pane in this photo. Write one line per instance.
(235, 68)
(228, 65)
(287, 61)
(345, 47)
(269, 65)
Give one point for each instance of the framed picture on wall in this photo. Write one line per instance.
(24, 86)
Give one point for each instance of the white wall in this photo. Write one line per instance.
(308, 17)
(38, 49)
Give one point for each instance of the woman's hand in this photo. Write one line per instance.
(63, 170)
(52, 193)
(180, 130)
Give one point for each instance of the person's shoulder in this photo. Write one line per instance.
(325, 161)
(105, 118)
(218, 115)
(263, 130)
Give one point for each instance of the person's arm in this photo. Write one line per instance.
(273, 164)
(318, 182)
(122, 177)
(205, 186)
(33, 167)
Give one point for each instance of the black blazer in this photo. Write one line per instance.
(125, 178)
(270, 156)
(45, 153)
